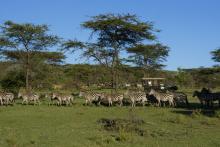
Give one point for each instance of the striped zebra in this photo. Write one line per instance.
(180, 98)
(112, 98)
(6, 98)
(52, 100)
(163, 97)
(90, 96)
(137, 97)
(62, 98)
(28, 97)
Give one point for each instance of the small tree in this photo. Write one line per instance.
(26, 38)
(42, 66)
(149, 57)
(112, 34)
(216, 55)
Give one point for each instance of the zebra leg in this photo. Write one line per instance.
(159, 103)
(164, 103)
(172, 103)
(109, 103)
(24, 101)
(86, 102)
(131, 104)
(143, 103)
(99, 103)
(1, 102)
(121, 103)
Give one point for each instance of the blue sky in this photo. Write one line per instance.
(191, 28)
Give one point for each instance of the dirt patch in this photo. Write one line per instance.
(126, 125)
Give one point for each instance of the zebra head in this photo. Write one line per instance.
(54, 95)
(152, 92)
(81, 94)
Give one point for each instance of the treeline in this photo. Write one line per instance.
(69, 77)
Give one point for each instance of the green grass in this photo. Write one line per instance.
(77, 125)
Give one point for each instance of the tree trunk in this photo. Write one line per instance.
(27, 72)
(115, 63)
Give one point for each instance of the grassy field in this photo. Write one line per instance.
(78, 125)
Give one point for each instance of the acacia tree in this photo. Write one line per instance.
(216, 55)
(110, 35)
(26, 38)
(149, 57)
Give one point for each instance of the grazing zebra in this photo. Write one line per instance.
(135, 97)
(113, 97)
(62, 98)
(163, 97)
(29, 96)
(6, 98)
(90, 96)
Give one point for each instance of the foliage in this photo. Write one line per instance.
(216, 55)
(149, 57)
(13, 80)
(26, 38)
(112, 34)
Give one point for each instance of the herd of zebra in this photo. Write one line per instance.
(132, 97)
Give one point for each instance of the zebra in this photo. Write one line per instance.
(6, 98)
(51, 99)
(90, 96)
(180, 98)
(137, 97)
(113, 97)
(62, 98)
(29, 96)
(163, 97)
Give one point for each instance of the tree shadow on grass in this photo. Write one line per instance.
(196, 109)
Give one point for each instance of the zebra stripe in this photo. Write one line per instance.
(137, 97)
(116, 97)
(90, 96)
(62, 98)
(163, 97)
(29, 96)
(6, 98)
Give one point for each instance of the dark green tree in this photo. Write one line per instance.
(26, 38)
(110, 35)
(42, 66)
(149, 57)
(216, 55)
